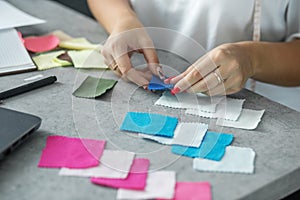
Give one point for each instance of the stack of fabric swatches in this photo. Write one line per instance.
(210, 150)
(228, 111)
(58, 49)
(117, 169)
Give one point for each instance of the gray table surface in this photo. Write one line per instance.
(275, 141)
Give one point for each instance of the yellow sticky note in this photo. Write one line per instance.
(77, 44)
(50, 60)
(87, 59)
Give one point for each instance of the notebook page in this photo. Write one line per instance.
(11, 17)
(13, 55)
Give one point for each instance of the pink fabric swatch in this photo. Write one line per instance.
(136, 179)
(61, 151)
(192, 191)
(41, 43)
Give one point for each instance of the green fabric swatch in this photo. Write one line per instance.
(94, 87)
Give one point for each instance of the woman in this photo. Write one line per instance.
(226, 28)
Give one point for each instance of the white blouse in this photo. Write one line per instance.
(214, 22)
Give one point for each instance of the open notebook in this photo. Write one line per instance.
(13, 56)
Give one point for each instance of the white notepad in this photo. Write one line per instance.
(12, 17)
(13, 55)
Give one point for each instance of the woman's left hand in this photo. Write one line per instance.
(223, 70)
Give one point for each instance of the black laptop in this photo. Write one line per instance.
(15, 127)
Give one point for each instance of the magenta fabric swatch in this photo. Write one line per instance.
(192, 191)
(61, 151)
(136, 179)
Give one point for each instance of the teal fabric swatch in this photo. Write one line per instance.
(212, 147)
(149, 123)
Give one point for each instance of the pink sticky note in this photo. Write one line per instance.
(69, 152)
(192, 191)
(136, 179)
(41, 43)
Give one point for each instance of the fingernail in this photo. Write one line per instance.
(145, 87)
(175, 90)
(169, 79)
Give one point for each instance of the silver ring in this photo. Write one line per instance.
(220, 79)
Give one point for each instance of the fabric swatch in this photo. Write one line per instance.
(136, 179)
(77, 44)
(113, 164)
(149, 123)
(160, 184)
(157, 84)
(49, 60)
(212, 147)
(229, 109)
(249, 119)
(41, 43)
(186, 134)
(190, 134)
(235, 160)
(62, 36)
(61, 151)
(87, 59)
(192, 191)
(187, 101)
(94, 87)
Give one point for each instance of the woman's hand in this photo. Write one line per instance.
(224, 70)
(129, 36)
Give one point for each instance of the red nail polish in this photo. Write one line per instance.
(175, 90)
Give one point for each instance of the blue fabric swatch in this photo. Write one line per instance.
(148, 123)
(212, 147)
(157, 84)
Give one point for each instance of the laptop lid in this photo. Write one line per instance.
(15, 127)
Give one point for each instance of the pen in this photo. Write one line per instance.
(27, 87)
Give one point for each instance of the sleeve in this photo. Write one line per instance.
(293, 20)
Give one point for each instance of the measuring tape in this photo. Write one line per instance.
(256, 30)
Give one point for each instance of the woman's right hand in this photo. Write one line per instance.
(129, 36)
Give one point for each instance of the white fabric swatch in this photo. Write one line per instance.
(159, 139)
(188, 101)
(228, 108)
(235, 160)
(190, 134)
(248, 119)
(160, 184)
(185, 134)
(113, 164)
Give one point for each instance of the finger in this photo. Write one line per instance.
(123, 63)
(207, 83)
(175, 79)
(217, 91)
(226, 87)
(112, 65)
(191, 68)
(136, 77)
(200, 70)
(152, 60)
(146, 73)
